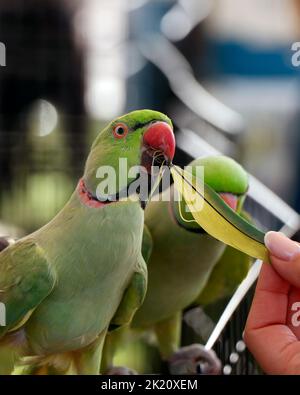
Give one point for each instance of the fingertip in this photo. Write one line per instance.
(282, 247)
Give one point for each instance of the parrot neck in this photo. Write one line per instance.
(87, 198)
(189, 225)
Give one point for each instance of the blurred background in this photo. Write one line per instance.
(221, 69)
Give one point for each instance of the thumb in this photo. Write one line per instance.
(284, 256)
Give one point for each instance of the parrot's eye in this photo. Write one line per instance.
(120, 130)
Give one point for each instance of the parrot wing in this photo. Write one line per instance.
(25, 280)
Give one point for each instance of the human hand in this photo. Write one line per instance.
(272, 331)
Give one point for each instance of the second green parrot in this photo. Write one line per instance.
(185, 264)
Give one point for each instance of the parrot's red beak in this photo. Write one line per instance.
(158, 141)
(230, 199)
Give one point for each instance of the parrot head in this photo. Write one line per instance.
(226, 177)
(139, 139)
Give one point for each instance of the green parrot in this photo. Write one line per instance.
(181, 257)
(65, 285)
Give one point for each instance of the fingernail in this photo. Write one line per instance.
(281, 246)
